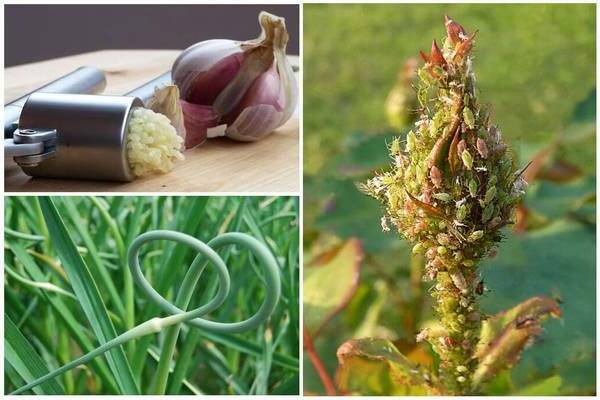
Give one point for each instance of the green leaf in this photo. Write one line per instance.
(88, 295)
(372, 367)
(559, 261)
(329, 283)
(534, 308)
(546, 387)
(505, 336)
(21, 355)
(63, 311)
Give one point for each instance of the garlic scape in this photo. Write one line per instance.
(451, 189)
(242, 90)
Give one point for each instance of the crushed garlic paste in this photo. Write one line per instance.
(153, 144)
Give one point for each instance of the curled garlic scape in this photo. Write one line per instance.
(243, 90)
(451, 188)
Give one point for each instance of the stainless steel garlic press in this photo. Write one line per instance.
(67, 130)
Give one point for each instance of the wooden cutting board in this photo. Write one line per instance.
(220, 165)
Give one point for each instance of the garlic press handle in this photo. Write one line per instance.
(146, 91)
(84, 80)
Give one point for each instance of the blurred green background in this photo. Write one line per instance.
(535, 64)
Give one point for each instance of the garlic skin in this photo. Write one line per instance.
(242, 90)
(165, 100)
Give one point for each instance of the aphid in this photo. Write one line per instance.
(490, 194)
(443, 239)
(417, 248)
(476, 235)
(480, 288)
(462, 146)
(384, 225)
(436, 176)
(469, 118)
(472, 186)
(488, 211)
(421, 336)
(482, 148)
(467, 159)
(395, 147)
(445, 197)
(411, 138)
(459, 281)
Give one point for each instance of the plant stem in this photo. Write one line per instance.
(458, 313)
(318, 364)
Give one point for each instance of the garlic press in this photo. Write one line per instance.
(67, 130)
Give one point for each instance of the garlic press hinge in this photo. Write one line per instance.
(30, 147)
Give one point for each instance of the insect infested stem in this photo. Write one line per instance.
(451, 188)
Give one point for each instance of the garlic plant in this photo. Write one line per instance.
(452, 187)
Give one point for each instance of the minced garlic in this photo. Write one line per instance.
(152, 143)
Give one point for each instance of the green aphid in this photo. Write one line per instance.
(502, 197)
(488, 211)
(490, 194)
(468, 117)
(461, 213)
(467, 159)
(433, 127)
(388, 180)
(395, 147)
(424, 76)
(411, 140)
(472, 186)
(474, 236)
(445, 197)
(418, 248)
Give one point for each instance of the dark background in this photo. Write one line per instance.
(40, 32)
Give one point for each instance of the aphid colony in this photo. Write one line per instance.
(451, 188)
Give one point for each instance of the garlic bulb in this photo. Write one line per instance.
(242, 90)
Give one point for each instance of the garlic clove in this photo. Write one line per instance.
(254, 123)
(266, 89)
(208, 85)
(199, 59)
(198, 118)
(166, 101)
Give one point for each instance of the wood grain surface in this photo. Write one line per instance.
(220, 165)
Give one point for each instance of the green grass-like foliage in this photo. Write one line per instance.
(71, 296)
